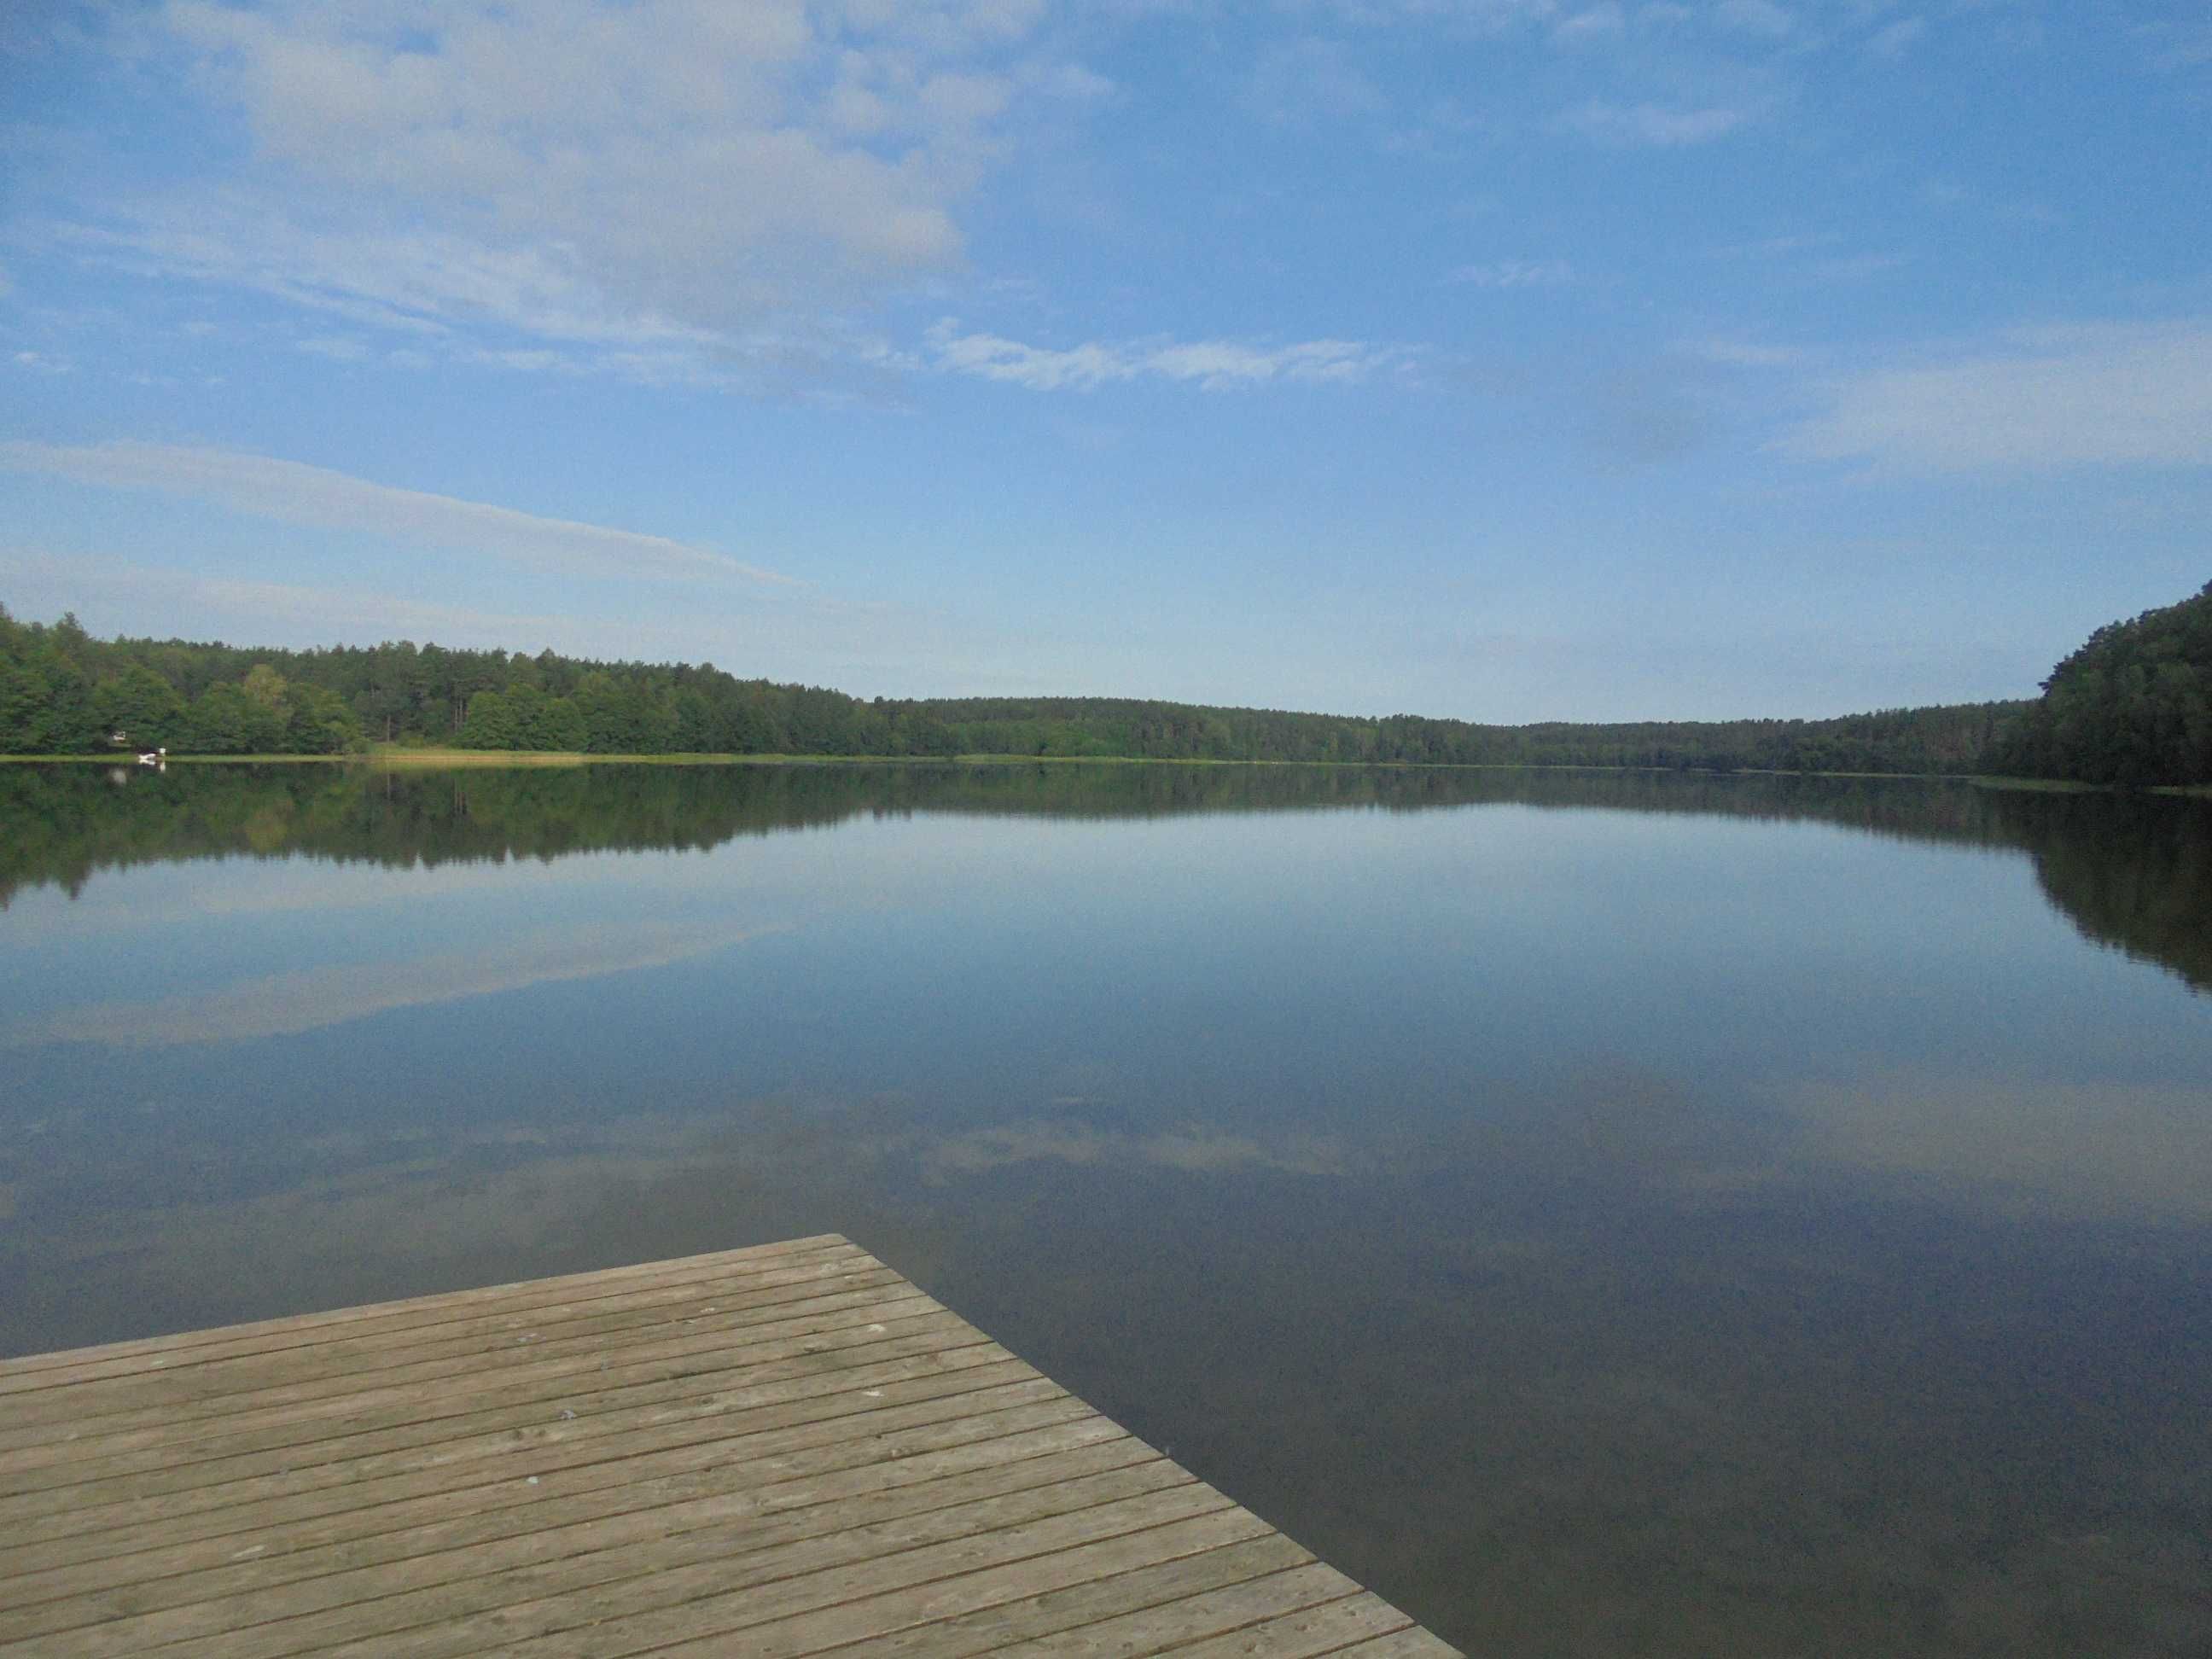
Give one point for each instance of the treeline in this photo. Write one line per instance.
(2132, 707)
(63, 692)
(550, 702)
(1954, 739)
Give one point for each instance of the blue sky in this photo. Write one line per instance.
(1499, 359)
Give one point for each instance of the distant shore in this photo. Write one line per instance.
(401, 757)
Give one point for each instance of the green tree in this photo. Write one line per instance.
(2132, 707)
(490, 723)
(222, 720)
(143, 705)
(322, 724)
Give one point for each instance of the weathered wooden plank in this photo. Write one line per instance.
(407, 1610)
(425, 1557)
(915, 1587)
(778, 1451)
(836, 1472)
(202, 1451)
(1140, 1611)
(527, 1363)
(988, 1384)
(1413, 1643)
(861, 1369)
(372, 1507)
(1295, 1632)
(211, 1373)
(31, 1370)
(635, 1405)
(219, 1385)
(820, 1355)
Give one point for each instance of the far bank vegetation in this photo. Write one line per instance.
(2133, 705)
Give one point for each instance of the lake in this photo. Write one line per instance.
(1604, 1212)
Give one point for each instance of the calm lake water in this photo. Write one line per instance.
(1607, 1213)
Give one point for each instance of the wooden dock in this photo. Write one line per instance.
(783, 1450)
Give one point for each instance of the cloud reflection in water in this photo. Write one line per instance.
(282, 1005)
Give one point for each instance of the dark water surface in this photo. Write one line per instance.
(1607, 1213)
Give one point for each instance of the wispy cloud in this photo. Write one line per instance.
(1193, 1147)
(1744, 354)
(1894, 40)
(2090, 394)
(1761, 17)
(1297, 82)
(1515, 273)
(1778, 247)
(2179, 46)
(339, 348)
(793, 634)
(1856, 267)
(1481, 16)
(1212, 365)
(1820, 256)
(2113, 1150)
(299, 494)
(1653, 125)
(284, 1004)
(1604, 21)
(444, 295)
(44, 583)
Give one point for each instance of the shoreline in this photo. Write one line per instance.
(411, 759)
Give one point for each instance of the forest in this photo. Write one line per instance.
(1951, 739)
(63, 691)
(2133, 707)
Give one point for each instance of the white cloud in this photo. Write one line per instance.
(1761, 17)
(297, 493)
(1656, 126)
(42, 362)
(1515, 273)
(672, 170)
(1213, 365)
(1485, 16)
(1894, 40)
(2093, 394)
(1599, 22)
